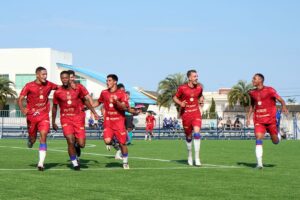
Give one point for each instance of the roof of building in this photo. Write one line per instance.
(135, 95)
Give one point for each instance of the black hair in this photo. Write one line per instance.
(71, 72)
(261, 76)
(64, 72)
(120, 85)
(113, 76)
(40, 68)
(190, 72)
(127, 92)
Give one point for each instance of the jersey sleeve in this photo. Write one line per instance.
(25, 91)
(179, 92)
(53, 86)
(55, 99)
(101, 98)
(124, 99)
(83, 90)
(274, 93)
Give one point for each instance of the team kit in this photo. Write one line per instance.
(73, 100)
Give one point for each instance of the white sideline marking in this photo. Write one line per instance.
(138, 158)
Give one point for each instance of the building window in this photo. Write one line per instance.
(6, 76)
(80, 80)
(22, 79)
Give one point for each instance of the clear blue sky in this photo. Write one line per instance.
(144, 41)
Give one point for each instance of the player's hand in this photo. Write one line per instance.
(248, 123)
(24, 111)
(55, 127)
(183, 104)
(285, 110)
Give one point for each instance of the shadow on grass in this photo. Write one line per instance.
(253, 165)
(48, 165)
(113, 164)
(183, 162)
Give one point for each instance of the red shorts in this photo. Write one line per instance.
(149, 127)
(115, 128)
(263, 128)
(189, 123)
(73, 126)
(39, 123)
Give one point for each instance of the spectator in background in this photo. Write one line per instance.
(228, 124)
(237, 124)
(91, 122)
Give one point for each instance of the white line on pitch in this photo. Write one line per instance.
(138, 158)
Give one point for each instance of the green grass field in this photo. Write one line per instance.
(158, 171)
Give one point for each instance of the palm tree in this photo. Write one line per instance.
(6, 91)
(239, 94)
(167, 88)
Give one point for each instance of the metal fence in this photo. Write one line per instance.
(13, 124)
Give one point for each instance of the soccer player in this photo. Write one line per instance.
(263, 104)
(69, 100)
(81, 88)
(37, 111)
(115, 104)
(188, 97)
(150, 124)
(129, 118)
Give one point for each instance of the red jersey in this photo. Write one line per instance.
(84, 92)
(68, 100)
(264, 103)
(37, 97)
(150, 120)
(191, 96)
(111, 109)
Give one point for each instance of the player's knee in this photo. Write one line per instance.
(276, 141)
(107, 141)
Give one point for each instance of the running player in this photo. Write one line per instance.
(115, 104)
(70, 115)
(188, 97)
(263, 104)
(78, 86)
(37, 111)
(150, 124)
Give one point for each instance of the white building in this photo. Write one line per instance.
(18, 65)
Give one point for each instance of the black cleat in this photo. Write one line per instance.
(41, 168)
(77, 168)
(29, 144)
(283, 135)
(78, 149)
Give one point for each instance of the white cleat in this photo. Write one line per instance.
(197, 162)
(118, 155)
(126, 166)
(190, 161)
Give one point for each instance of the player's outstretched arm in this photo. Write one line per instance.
(284, 108)
(54, 112)
(20, 104)
(88, 104)
(249, 115)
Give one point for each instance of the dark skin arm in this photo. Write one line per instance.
(54, 112)
(89, 106)
(20, 104)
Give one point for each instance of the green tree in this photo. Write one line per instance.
(239, 94)
(291, 100)
(6, 91)
(167, 88)
(212, 110)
